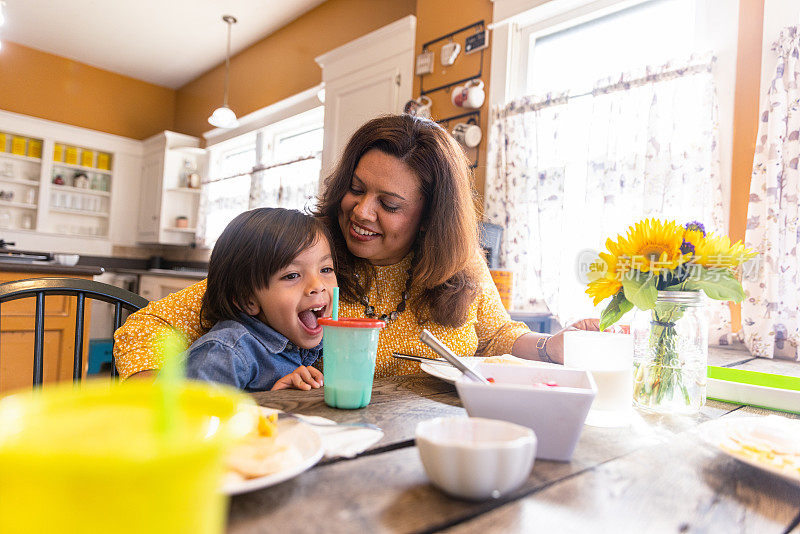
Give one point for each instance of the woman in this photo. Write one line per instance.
(400, 208)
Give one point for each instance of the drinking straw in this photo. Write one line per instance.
(335, 309)
(170, 378)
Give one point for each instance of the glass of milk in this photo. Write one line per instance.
(609, 357)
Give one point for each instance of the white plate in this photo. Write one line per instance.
(716, 433)
(293, 434)
(448, 373)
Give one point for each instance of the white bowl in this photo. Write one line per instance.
(66, 259)
(475, 458)
(556, 414)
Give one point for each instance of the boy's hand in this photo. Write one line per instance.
(303, 377)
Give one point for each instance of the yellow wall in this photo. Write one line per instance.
(282, 64)
(440, 17)
(51, 87)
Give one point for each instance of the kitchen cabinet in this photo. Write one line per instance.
(65, 188)
(155, 287)
(169, 201)
(365, 78)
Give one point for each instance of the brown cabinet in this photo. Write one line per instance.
(17, 333)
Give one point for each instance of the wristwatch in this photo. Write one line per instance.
(541, 346)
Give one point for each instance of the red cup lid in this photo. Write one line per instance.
(352, 322)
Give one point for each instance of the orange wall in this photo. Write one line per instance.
(440, 17)
(745, 120)
(51, 87)
(282, 64)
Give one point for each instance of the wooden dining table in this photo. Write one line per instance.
(655, 475)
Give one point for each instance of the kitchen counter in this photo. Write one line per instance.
(174, 273)
(49, 268)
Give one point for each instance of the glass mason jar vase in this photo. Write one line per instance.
(670, 353)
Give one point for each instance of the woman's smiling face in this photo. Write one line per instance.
(381, 213)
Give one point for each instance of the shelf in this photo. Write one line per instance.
(22, 205)
(86, 213)
(80, 167)
(80, 190)
(29, 183)
(192, 190)
(28, 159)
(182, 230)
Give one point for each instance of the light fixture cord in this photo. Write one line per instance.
(227, 66)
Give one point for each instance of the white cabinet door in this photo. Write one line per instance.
(352, 102)
(150, 200)
(365, 78)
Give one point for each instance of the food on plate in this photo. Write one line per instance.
(260, 453)
(773, 441)
(506, 359)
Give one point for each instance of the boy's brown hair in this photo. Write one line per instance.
(254, 246)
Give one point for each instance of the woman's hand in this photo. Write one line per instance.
(304, 378)
(555, 345)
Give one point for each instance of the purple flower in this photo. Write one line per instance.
(697, 226)
(687, 248)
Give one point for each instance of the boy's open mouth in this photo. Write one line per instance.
(309, 318)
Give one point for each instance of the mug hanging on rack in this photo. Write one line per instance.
(421, 107)
(470, 95)
(468, 133)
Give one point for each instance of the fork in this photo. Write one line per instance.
(335, 427)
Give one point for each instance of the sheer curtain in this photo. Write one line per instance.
(565, 173)
(770, 322)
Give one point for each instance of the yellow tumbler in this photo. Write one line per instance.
(93, 459)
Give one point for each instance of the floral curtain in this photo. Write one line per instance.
(567, 172)
(770, 322)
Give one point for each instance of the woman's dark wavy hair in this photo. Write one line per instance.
(444, 272)
(254, 246)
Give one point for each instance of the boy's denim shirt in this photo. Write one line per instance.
(246, 354)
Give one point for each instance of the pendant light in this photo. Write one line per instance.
(224, 117)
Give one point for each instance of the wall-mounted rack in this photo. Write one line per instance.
(475, 27)
(472, 153)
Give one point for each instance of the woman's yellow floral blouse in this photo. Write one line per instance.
(488, 330)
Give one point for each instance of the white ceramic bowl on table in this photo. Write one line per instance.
(475, 458)
(554, 413)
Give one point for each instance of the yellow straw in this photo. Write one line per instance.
(170, 379)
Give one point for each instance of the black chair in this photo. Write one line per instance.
(38, 288)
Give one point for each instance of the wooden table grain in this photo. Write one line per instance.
(654, 476)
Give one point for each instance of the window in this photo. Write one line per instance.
(582, 166)
(292, 165)
(228, 191)
(573, 59)
(275, 166)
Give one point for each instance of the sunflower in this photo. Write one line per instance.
(652, 246)
(716, 252)
(602, 288)
(695, 232)
(604, 278)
